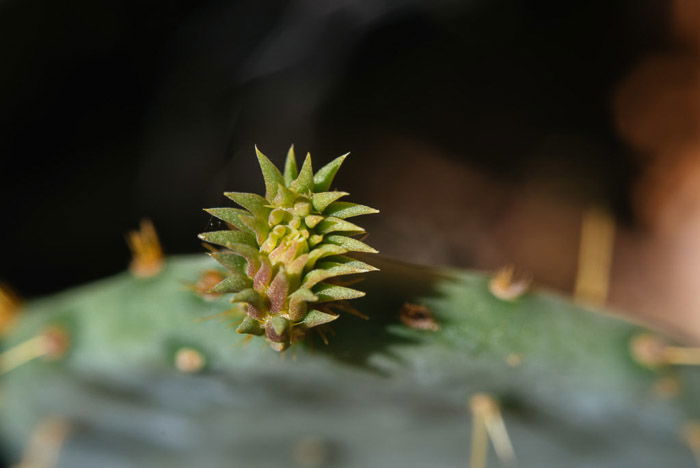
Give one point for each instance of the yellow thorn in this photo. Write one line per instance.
(146, 252)
(487, 423)
(479, 443)
(22, 353)
(506, 287)
(691, 435)
(45, 444)
(682, 355)
(189, 360)
(206, 281)
(9, 308)
(595, 256)
(418, 316)
(52, 343)
(230, 313)
(651, 351)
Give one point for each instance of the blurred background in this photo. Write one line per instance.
(483, 130)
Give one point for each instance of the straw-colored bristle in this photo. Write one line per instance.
(595, 257)
(9, 308)
(147, 257)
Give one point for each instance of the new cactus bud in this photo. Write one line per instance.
(283, 251)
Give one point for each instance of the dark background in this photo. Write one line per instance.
(111, 111)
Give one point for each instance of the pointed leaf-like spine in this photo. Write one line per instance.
(349, 243)
(284, 196)
(249, 296)
(250, 254)
(322, 200)
(328, 270)
(252, 202)
(333, 292)
(324, 251)
(313, 220)
(234, 282)
(297, 303)
(228, 238)
(250, 326)
(344, 210)
(229, 260)
(290, 167)
(277, 329)
(232, 216)
(305, 181)
(271, 175)
(324, 177)
(258, 226)
(329, 225)
(315, 318)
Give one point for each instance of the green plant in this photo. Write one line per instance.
(285, 251)
(383, 392)
(142, 383)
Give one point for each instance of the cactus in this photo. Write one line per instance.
(125, 371)
(384, 391)
(285, 251)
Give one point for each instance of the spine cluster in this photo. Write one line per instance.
(284, 252)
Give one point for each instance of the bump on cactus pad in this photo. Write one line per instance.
(285, 251)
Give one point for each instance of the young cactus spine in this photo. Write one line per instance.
(283, 251)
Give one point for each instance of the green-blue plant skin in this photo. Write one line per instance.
(379, 394)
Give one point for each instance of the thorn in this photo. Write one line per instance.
(209, 247)
(146, 253)
(682, 355)
(418, 317)
(189, 360)
(691, 435)
(653, 352)
(344, 306)
(225, 314)
(487, 423)
(45, 444)
(345, 282)
(595, 256)
(506, 287)
(323, 336)
(52, 343)
(666, 387)
(10, 305)
(311, 452)
(207, 280)
(514, 359)
(480, 441)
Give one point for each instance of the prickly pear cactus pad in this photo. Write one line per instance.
(440, 365)
(285, 251)
(144, 382)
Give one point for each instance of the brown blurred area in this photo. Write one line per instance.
(439, 210)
